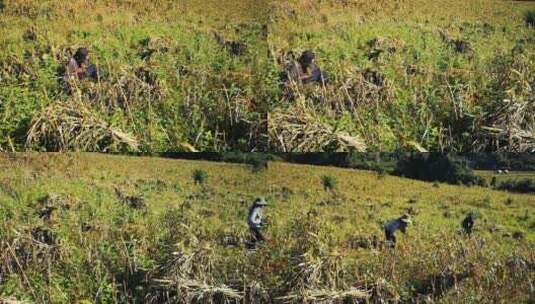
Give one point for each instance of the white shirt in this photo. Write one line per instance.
(255, 217)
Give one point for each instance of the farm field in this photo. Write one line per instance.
(175, 75)
(194, 75)
(513, 175)
(406, 75)
(153, 230)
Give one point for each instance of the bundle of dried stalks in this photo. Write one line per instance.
(192, 291)
(11, 301)
(317, 274)
(509, 123)
(513, 128)
(299, 129)
(187, 278)
(130, 88)
(318, 278)
(324, 296)
(73, 126)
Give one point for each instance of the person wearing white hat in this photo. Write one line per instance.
(391, 227)
(255, 219)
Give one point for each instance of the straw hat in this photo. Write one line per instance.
(260, 201)
(406, 218)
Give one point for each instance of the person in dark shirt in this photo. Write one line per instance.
(79, 67)
(468, 223)
(391, 227)
(304, 70)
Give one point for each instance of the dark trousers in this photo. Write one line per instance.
(390, 237)
(257, 235)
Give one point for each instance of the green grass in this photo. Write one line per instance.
(105, 251)
(203, 98)
(433, 96)
(512, 175)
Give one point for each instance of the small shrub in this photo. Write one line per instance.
(461, 46)
(258, 163)
(2, 6)
(518, 235)
(199, 177)
(524, 217)
(521, 186)
(133, 201)
(493, 182)
(509, 201)
(381, 172)
(328, 182)
(437, 168)
(529, 18)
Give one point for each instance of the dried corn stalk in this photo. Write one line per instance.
(72, 125)
(299, 129)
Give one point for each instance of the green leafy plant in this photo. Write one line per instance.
(328, 182)
(529, 18)
(200, 177)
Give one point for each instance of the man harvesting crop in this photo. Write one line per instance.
(255, 219)
(391, 227)
(79, 68)
(305, 70)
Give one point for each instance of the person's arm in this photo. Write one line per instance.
(312, 74)
(403, 227)
(306, 76)
(263, 221)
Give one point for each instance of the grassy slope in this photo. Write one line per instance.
(390, 196)
(449, 92)
(513, 175)
(126, 244)
(204, 97)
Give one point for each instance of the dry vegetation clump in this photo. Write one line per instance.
(187, 274)
(72, 125)
(130, 89)
(15, 69)
(300, 129)
(316, 274)
(446, 273)
(132, 201)
(508, 124)
(27, 249)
